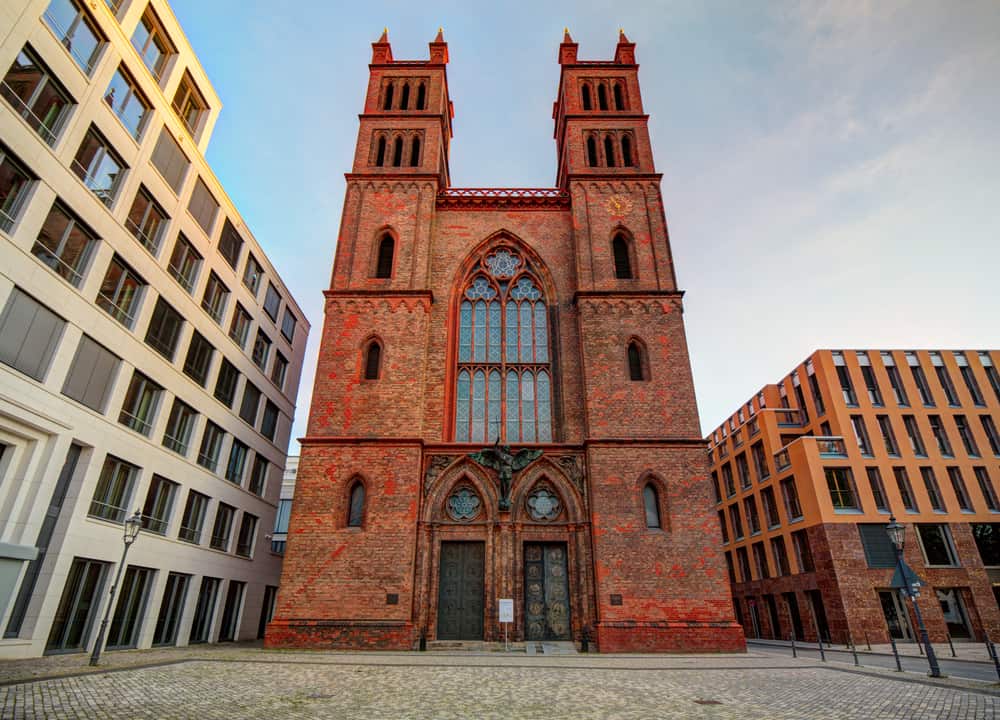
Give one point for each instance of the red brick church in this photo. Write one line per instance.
(503, 405)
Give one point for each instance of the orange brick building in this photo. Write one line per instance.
(807, 473)
(465, 320)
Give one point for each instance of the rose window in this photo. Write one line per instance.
(543, 505)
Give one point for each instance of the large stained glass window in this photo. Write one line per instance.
(504, 383)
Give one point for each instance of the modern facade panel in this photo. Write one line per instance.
(851, 438)
(108, 360)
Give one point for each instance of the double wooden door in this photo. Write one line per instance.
(546, 592)
(461, 591)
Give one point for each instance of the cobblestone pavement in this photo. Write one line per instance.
(248, 683)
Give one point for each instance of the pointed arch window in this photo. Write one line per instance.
(638, 367)
(619, 97)
(602, 96)
(421, 96)
(626, 151)
(387, 105)
(651, 503)
(380, 151)
(591, 151)
(386, 250)
(404, 97)
(609, 151)
(504, 379)
(373, 360)
(356, 510)
(415, 152)
(622, 257)
(587, 102)
(397, 152)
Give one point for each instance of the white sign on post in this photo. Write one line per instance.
(506, 610)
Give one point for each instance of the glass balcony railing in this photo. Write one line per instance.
(831, 446)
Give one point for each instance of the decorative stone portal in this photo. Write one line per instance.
(461, 591)
(546, 592)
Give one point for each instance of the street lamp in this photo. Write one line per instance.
(896, 532)
(132, 526)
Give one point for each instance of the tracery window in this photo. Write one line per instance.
(504, 381)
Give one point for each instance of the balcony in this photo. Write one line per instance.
(788, 417)
(831, 446)
(782, 460)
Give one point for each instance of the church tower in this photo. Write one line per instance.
(503, 406)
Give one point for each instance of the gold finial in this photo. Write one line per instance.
(565, 29)
(385, 29)
(621, 30)
(440, 29)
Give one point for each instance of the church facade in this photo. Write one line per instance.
(504, 406)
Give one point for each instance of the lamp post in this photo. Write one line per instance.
(132, 526)
(896, 533)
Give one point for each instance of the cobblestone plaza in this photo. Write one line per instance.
(237, 682)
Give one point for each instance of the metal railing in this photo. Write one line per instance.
(219, 542)
(106, 511)
(154, 525)
(503, 192)
(151, 244)
(105, 194)
(63, 34)
(782, 460)
(185, 282)
(60, 267)
(189, 535)
(243, 549)
(114, 310)
(831, 446)
(36, 123)
(207, 462)
(175, 444)
(134, 422)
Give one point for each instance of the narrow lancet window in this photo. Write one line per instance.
(386, 250)
(397, 152)
(373, 361)
(623, 261)
(626, 151)
(602, 97)
(651, 502)
(380, 153)
(415, 152)
(591, 152)
(421, 96)
(587, 103)
(356, 513)
(609, 151)
(404, 97)
(619, 100)
(636, 362)
(387, 105)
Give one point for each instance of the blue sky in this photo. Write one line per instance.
(831, 169)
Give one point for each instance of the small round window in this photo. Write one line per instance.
(543, 504)
(464, 504)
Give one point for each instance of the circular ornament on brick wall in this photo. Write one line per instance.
(543, 505)
(464, 504)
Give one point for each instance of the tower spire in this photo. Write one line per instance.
(381, 49)
(439, 48)
(567, 49)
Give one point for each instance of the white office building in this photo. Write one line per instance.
(149, 353)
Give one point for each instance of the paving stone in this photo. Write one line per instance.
(236, 683)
